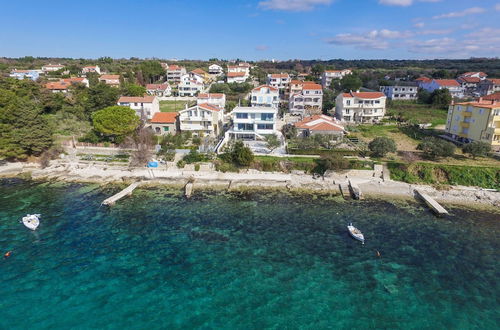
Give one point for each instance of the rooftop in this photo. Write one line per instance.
(164, 117)
(136, 99)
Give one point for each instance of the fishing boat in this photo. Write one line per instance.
(356, 233)
(31, 221)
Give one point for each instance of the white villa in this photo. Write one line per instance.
(329, 75)
(252, 123)
(217, 99)
(190, 85)
(215, 69)
(110, 79)
(175, 72)
(52, 67)
(400, 92)
(278, 80)
(202, 120)
(307, 99)
(236, 77)
(456, 90)
(360, 107)
(92, 68)
(159, 89)
(144, 106)
(240, 67)
(265, 96)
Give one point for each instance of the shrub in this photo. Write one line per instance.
(181, 164)
(434, 148)
(477, 148)
(193, 156)
(241, 155)
(380, 146)
(331, 162)
(197, 167)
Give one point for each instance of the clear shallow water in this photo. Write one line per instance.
(240, 261)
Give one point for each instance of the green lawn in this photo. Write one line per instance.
(173, 106)
(418, 113)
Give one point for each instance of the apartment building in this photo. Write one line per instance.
(145, 106)
(217, 99)
(202, 120)
(360, 107)
(488, 86)
(253, 123)
(407, 91)
(215, 69)
(306, 99)
(475, 121)
(278, 80)
(190, 85)
(175, 72)
(329, 75)
(236, 77)
(265, 96)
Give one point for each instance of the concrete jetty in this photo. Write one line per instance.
(431, 203)
(344, 189)
(355, 191)
(125, 192)
(188, 190)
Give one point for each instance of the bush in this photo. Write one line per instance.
(477, 148)
(241, 155)
(380, 146)
(197, 167)
(434, 148)
(194, 156)
(224, 167)
(181, 164)
(331, 162)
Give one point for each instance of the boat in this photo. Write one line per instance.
(31, 221)
(356, 233)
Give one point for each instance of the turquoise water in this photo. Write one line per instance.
(240, 261)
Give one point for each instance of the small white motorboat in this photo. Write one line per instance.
(31, 221)
(356, 233)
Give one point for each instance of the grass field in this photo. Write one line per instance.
(418, 113)
(173, 106)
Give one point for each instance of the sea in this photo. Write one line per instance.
(247, 260)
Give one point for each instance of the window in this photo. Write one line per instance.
(242, 115)
(348, 102)
(264, 126)
(377, 101)
(166, 128)
(481, 111)
(266, 116)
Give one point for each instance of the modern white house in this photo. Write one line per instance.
(52, 67)
(92, 68)
(240, 67)
(407, 91)
(217, 99)
(278, 80)
(159, 89)
(215, 69)
(190, 85)
(24, 74)
(175, 72)
(307, 99)
(202, 120)
(265, 96)
(360, 107)
(112, 80)
(145, 106)
(456, 90)
(237, 77)
(329, 75)
(252, 123)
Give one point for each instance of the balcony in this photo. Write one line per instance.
(467, 113)
(465, 125)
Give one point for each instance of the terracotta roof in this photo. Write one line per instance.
(74, 80)
(58, 85)
(199, 71)
(236, 74)
(490, 104)
(209, 107)
(319, 123)
(492, 97)
(311, 85)
(423, 79)
(160, 87)
(110, 77)
(265, 86)
(164, 117)
(90, 67)
(447, 82)
(333, 71)
(136, 99)
(468, 74)
(364, 95)
(22, 71)
(280, 75)
(495, 81)
(210, 96)
(470, 79)
(174, 67)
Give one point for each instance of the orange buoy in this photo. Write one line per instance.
(7, 254)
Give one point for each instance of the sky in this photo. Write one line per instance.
(251, 29)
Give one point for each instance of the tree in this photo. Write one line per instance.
(434, 148)
(133, 90)
(441, 98)
(382, 145)
(142, 141)
(477, 148)
(241, 154)
(272, 142)
(331, 162)
(289, 131)
(317, 70)
(151, 71)
(350, 82)
(99, 96)
(116, 121)
(423, 96)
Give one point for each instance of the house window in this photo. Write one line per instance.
(266, 116)
(242, 115)
(166, 128)
(264, 126)
(348, 102)
(481, 111)
(157, 129)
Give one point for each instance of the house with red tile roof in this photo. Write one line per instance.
(145, 106)
(164, 123)
(492, 97)
(489, 86)
(265, 96)
(91, 68)
(236, 77)
(329, 75)
(190, 85)
(306, 98)
(112, 80)
(202, 120)
(217, 99)
(77, 80)
(360, 107)
(278, 80)
(320, 125)
(456, 90)
(58, 86)
(175, 72)
(159, 89)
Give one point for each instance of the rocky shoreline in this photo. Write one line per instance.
(371, 184)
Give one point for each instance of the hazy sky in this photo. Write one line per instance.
(253, 30)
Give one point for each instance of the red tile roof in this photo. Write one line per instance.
(447, 82)
(136, 99)
(492, 97)
(74, 80)
(164, 117)
(265, 86)
(58, 85)
(311, 85)
(280, 75)
(236, 74)
(423, 79)
(110, 77)
(174, 67)
(207, 106)
(490, 104)
(364, 95)
(495, 81)
(210, 96)
(319, 123)
(199, 71)
(470, 79)
(160, 87)
(468, 74)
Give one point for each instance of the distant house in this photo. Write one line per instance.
(236, 77)
(401, 91)
(190, 85)
(175, 72)
(265, 96)
(480, 75)
(278, 80)
(306, 99)
(110, 79)
(240, 67)
(329, 75)
(489, 86)
(253, 123)
(90, 69)
(24, 74)
(164, 123)
(202, 120)
(215, 69)
(205, 77)
(144, 106)
(217, 99)
(58, 86)
(320, 125)
(422, 80)
(77, 80)
(456, 90)
(52, 67)
(360, 107)
(159, 89)
(492, 97)
(469, 84)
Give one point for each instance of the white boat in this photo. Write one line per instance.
(356, 233)
(31, 221)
